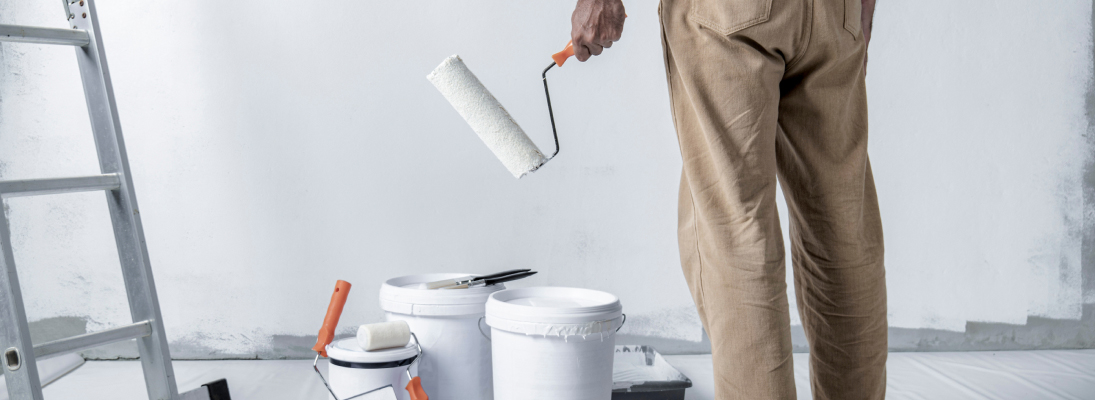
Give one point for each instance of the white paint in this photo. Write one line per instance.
(354, 380)
(278, 146)
(631, 366)
(383, 335)
(457, 361)
(553, 343)
(487, 117)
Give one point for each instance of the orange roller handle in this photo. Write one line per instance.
(330, 322)
(562, 56)
(414, 387)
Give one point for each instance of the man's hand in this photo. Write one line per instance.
(595, 24)
(867, 20)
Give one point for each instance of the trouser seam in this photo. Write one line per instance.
(808, 38)
(672, 111)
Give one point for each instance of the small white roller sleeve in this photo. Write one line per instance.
(384, 335)
(486, 116)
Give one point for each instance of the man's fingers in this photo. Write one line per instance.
(581, 53)
(596, 25)
(595, 49)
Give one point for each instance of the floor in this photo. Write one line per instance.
(1066, 374)
(1021, 375)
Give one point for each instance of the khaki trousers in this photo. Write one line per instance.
(760, 89)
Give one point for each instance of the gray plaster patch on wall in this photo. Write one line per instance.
(278, 347)
(51, 329)
(191, 349)
(1037, 334)
(55, 328)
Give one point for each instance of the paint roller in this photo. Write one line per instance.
(384, 335)
(387, 335)
(489, 119)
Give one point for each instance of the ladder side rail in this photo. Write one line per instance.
(122, 203)
(23, 382)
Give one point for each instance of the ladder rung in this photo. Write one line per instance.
(37, 187)
(90, 340)
(33, 34)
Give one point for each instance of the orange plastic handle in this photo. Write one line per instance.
(330, 322)
(414, 387)
(562, 56)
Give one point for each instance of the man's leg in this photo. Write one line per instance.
(836, 231)
(724, 61)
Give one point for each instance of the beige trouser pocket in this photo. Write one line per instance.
(729, 16)
(853, 11)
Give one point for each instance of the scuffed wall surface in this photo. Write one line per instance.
(1088, 247)
(978, 132)
(278, 146)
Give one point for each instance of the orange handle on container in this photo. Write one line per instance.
(330, 322)
(414, 387)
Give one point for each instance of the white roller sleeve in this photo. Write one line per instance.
(486, 116)
(384, 335)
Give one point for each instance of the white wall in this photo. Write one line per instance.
(278, 146)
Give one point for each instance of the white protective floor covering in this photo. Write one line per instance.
(1064, 374)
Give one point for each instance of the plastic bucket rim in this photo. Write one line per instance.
(498, 306)
(393, 294)
(361, 356)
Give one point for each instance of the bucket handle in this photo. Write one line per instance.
(480, 325)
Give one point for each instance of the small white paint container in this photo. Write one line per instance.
(553, 343)
(456, 361)
(352, 370)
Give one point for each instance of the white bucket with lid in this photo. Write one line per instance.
(352, 370)
(553, 343)
(456, 364)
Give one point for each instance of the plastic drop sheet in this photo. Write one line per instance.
(1048, 374)
(1053, 374)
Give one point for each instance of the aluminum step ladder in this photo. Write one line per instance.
(19, 354)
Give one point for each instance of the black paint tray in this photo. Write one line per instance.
(640, 373)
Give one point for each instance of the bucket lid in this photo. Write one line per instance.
(554, 311)
(348, 350)
(402, 295)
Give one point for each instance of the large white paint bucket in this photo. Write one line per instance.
(456, 362)
(352, 370)
(553, 343)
